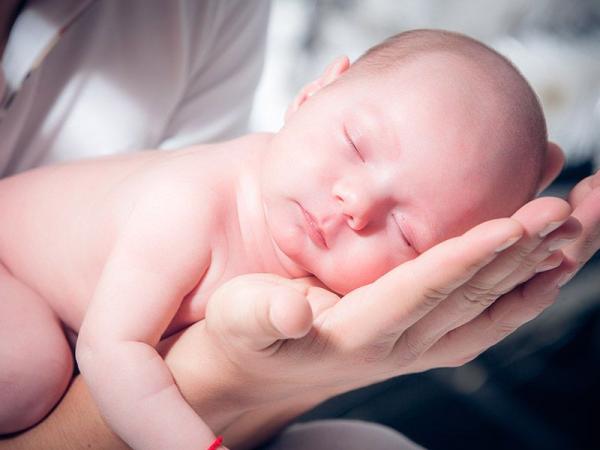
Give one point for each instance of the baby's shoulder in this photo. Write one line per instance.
(170, 223)
(175, 194)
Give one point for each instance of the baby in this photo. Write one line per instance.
(376, 163)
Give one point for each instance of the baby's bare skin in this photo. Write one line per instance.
(169, 225)
(126, 250)
(65, 221)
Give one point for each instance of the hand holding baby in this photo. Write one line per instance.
(279, 339)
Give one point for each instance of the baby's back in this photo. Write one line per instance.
(59, 223)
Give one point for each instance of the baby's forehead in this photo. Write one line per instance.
(383, 105)
(448, 97)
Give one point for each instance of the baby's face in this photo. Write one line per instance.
(368, 173)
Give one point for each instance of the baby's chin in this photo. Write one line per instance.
(343, 282)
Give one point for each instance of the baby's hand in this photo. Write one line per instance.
(274, 309)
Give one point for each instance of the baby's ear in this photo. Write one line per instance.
(553, 164)
(331, 73)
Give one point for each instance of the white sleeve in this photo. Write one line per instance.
(224, 73)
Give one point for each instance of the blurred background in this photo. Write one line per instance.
(540, 388)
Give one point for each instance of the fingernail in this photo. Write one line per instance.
(559, 244)
(550, 228)
(507, 244)
(565, 279)
(547, 267)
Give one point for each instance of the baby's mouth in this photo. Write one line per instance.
(313, 230)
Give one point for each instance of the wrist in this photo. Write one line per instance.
(258, 425)
(204, 377)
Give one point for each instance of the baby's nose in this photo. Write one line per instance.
(357, 221)
(359, 203)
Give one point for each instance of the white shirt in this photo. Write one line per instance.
(126, 75)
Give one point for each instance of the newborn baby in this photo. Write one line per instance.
(425, 136)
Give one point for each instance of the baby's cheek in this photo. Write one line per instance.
(352, 269)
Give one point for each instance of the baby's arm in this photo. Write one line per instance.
(154, 263)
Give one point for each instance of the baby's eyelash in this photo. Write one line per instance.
(351, 142)
(397, 221)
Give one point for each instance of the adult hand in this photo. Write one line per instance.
(585, 201)
(283, 338)
(527, 301)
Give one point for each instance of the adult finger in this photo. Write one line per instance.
(404, 295)
(508, 313)
(538, 218)
(583, 188)
(541, 259)
(585, 197)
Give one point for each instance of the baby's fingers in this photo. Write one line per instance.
(257, 310)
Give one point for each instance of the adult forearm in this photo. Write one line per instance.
(255, 427)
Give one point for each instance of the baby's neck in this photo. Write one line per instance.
(250, 218)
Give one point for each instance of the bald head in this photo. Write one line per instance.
(520, 133)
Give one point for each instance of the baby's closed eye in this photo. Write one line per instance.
(353, 145)
(400, 222)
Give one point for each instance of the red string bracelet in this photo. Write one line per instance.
(216, 443)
